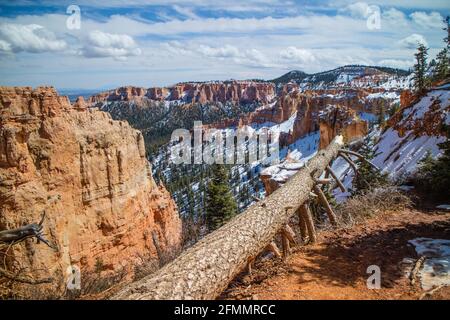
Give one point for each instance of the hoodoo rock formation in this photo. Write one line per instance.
(104, 212)
(233, 91)
(333, 120)
(340, 120)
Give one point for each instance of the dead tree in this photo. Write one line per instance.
(204, 270)
(14, 236)
(32, 230)
(306, 216)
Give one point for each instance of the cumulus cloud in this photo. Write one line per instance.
(227, 51)
(357, 10)
(297, 55)
(29, 38)
(101, 44)
(397, 63)
(248, 57)
(432, 20)
(395, 16)
(412, 41)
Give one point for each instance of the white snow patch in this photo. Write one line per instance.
(436, 268)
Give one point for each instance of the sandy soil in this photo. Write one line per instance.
(335, 268)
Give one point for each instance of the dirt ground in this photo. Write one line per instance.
(335, 267)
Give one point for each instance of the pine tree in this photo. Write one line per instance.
(434, 174)
(368, 177)
(382, 115)
(420, 68)
(447, 28)
(220, 204)
(442, 68)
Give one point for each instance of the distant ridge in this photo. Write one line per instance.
(333, 75)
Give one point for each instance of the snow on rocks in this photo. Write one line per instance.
(436, 268)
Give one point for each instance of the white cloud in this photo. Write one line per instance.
(247, 57)
(102, 44)
(30, 38)
(185, 12)
(227, 51)
(5, 46)
(395, 16)
(412, 41)
(397, 63)
(358, 10)
(302, 56)
(254, 58)
(432, 20)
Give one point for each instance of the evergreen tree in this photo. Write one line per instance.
(442, 69)
(220, 205)
(368, 177)
(434, 174)
(447, 28)
(420, 68)
(382, 115)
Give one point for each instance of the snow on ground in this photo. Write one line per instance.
(369, 117)
(384, 95)
(285, 126)
(436, 268)
(400, 155)
(420, 108)
(398, 83)
(299, 152)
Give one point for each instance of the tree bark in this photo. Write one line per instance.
(302, 225)
(336, 178)
(307, 217)
(323, 200)
(204, 270)
(274, 249)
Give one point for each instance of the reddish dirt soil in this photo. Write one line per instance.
(335, 267)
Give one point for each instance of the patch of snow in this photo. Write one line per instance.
(400, 155)
(436, 268)
(383, 95)
(443, 206)
(369, 117)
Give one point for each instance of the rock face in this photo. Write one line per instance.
(104, 212)
(426, 115)
(234, 91)
(340, 120)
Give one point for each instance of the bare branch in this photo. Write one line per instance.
(349, 161)
(360, 157)
(323, 200)
(335, 177)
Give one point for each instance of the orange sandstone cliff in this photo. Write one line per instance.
(104, 212)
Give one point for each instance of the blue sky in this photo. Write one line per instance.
(158, 43)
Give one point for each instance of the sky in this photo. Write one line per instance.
(93, 44)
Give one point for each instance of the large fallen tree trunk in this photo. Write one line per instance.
(205, 270)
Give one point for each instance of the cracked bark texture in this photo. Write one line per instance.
(204, 270)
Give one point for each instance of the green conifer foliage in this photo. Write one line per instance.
(220, 204)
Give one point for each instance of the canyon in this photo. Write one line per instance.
(104, 213)
(295, 104)
(86, 164)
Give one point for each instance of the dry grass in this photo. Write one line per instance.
(361, 207)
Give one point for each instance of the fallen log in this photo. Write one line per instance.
(204, 270)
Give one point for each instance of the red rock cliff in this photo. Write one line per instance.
(104, 212)
(235, 91)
